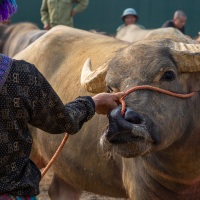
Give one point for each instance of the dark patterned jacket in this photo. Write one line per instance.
(27, 98)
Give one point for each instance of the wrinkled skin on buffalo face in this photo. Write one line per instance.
(160, 131)
(162, 119)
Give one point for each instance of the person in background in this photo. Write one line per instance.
(26, 97)
(129, 16)
(60, 12)
(178, 21)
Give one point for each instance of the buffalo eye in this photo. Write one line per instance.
(168, 76)
(109, 89)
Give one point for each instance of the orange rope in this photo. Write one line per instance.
(148, 87)
(55, 155)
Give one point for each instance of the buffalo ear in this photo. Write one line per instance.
(186, 56)
(93, 81)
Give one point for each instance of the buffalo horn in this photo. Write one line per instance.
(93, 81)
(187, 56)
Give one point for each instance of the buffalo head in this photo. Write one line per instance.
(153, 121)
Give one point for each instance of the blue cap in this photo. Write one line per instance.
(129, 11)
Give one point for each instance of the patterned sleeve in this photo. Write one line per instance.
(47, 111)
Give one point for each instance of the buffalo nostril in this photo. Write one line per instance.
(132, 117)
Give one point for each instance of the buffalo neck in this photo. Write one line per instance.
(175, 175)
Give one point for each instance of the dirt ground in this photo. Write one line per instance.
(44, 185)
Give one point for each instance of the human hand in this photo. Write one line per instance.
(105, 102)
(72, 13)
(47, 27)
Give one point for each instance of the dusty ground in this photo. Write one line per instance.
(44, 185)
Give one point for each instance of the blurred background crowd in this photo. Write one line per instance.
(106, 15)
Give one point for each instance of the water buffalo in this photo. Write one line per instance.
(150, 153)
(133, 33)
(16, 37)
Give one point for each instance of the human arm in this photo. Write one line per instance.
(46, 110)
(74, 114)
(45, 15)
(51, 115)
(80, 6)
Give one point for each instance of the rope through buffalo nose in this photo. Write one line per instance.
(148, 87)
(121, 100)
